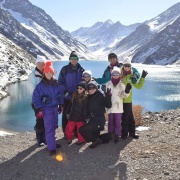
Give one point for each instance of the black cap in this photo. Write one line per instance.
(73, 54)
(112, 55)
(82, 84)
(92, 84)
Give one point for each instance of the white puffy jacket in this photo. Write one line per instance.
(118, 93)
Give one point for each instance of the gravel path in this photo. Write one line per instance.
(155, 156)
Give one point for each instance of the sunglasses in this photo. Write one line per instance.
(127, 65)
(74, 58)
(91, 89)
(86, 76)
(115, 74)
(79, 88)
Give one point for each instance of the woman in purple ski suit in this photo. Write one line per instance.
(48, 98)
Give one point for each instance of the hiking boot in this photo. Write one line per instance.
(52, 152)
(123, 137)
(95, 143)
(114, 137)
(134, 136)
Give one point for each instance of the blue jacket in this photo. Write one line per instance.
(107, 75)
(70, 78)
(47, 96)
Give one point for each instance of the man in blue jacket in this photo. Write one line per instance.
(69, 76)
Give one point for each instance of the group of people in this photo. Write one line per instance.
(77, 95)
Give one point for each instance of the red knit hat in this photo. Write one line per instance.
(48, 67)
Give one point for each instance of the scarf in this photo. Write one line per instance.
(115, 81)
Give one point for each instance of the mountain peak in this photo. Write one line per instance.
(109, 21)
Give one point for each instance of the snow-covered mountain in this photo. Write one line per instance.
(15, 63)
(36, 32)
(156, 41)
(103, 36)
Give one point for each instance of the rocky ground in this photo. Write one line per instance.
(155, 156)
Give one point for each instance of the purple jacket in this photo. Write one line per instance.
(47, 96)
(70, 78)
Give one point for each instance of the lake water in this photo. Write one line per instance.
(160, 92)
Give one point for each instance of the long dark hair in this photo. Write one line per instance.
(80, 97)
(47, 81)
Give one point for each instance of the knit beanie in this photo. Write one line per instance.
(116, 71)
(48, 67)
(87, 73)
(112, 55)
(82, 84)
(40, 59)
(127, 61)
(92, 84)
(73, 56)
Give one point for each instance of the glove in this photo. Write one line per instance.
(103, 88)
(135, 78)
(128, 88)
(108, 92)
(39, 115)
(60, 109)
(67, 115)
(144, 74)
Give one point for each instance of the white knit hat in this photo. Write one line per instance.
(88, 72)
(40, 59)
(116, 70)
(127, 61)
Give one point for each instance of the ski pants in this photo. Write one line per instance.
(50, 115)
(90, 131)
(114, 123)
(128, 122)
(70, 130)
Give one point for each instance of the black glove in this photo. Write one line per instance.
(108, 92)
(103, 88)
(128, 88)
(144, 74)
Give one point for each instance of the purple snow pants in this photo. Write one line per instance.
(114, 123)
(50, 115)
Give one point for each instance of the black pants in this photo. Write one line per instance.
(128, 123)
(64, 118)
(90, 131)
(39, 121)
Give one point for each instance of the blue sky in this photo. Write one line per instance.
(73, 14)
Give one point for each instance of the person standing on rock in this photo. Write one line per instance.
(118, 91)
(69, 76)
(39, 126)
(48, 99)
(128, 122)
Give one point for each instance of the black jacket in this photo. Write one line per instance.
(77, 110)
(97, 103)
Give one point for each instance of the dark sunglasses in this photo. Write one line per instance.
(86, 76)
(74, 58)
(127, 65)
(80, 88)
(91, 89)
(115, 74)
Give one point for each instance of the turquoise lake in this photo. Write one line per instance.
(160, 92)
